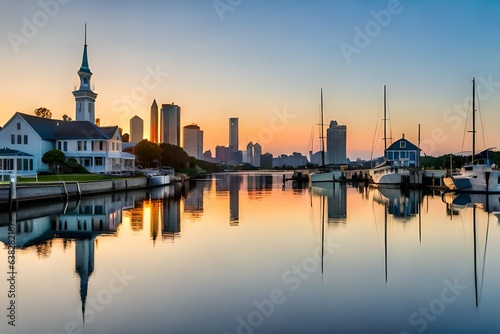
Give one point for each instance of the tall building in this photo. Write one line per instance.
(153, 123)
(170, 124)
(257, 152)
(222, 153)
(249, 154)
(193, 141)
(233, 134)
(136, 129)
(336, 142)
(84, 96)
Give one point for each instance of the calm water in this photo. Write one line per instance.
(240, 254)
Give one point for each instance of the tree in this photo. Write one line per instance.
(174, 156)
(43, 112)
(125, 138)
(66, 118)
(53, 156)
(147, 152)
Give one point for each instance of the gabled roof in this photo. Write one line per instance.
(396, 146)
(79, 130)
(45, 127)
(52, 129)
(109, 131)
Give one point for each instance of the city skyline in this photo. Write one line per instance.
(270, 80)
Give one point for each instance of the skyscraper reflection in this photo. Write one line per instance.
(234, 199)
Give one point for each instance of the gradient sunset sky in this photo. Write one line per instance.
(256, 59)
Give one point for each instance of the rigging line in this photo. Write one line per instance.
(375, 134)
(465, 237)
(484, 256)
(481, 121)
(466, 122)
(376, 229)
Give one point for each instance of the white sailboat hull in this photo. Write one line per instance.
(388, 176)
(480, 179)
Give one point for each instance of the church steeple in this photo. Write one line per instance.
(85, 61)
(84, 96)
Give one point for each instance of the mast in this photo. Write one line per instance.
(322, 133)
(385, 120)
(473, 119)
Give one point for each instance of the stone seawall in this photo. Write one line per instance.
(70, 189)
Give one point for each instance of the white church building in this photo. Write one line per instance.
(24, 139)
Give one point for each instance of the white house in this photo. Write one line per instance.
(25, 138)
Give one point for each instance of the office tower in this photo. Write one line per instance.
(257, 152)
(222, 153)
(249, 153)
(233, 134)
(193, 141)
(266, 160)
(153, 123)
(170, 124)
(136, 129)
(336, 142)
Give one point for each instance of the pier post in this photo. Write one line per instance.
(13, 192)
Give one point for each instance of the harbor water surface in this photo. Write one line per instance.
(240, 253)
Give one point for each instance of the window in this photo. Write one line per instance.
(84, 145)
(413, 157)
(79, 145)
(12, 139)
(19, 139)
(85, 81)
(19, 164)
(99, 161)
(25, 139)
(402, 144)
(59, 145)
(390, 155)
(19, 126)
(31, 164)
(396, 155)
(101, 145)
(65, 146)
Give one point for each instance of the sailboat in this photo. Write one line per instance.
(323, 174)
(390, 172)
(480, 175)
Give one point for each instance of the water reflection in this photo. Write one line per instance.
(347, 252)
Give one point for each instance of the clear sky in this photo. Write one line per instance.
(265, 62)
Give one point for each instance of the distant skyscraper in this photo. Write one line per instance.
(170, 124)
(336, 142)
(266, 160)
(153, 123)
(233, 134)
(193, 141)
(222, 153)
(257, 152)
(136, 129)
(249, 153)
